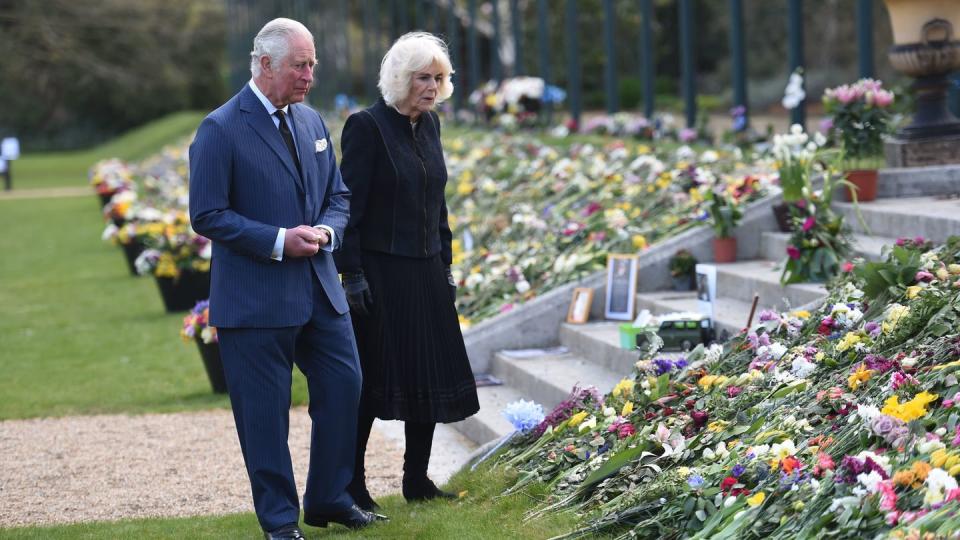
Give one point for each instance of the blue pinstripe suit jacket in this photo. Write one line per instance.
(244, 186)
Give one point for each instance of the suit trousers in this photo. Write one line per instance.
(258, 364)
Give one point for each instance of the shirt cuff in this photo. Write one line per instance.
(277, 253)
(333, 237)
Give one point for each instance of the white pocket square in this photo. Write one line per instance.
(321, 145)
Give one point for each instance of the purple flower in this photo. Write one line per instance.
(737, 470)
(695, 481)
(769, 315)
(873, 329)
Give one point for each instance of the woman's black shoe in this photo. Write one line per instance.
(362, 497)
(423, 489)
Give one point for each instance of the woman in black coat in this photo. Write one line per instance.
(395, 260)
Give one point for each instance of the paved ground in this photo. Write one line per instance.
(111, 467)
(46, 193)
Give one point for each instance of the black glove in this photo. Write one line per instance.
(453, 285)
(358, 294)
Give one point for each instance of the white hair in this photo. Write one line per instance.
(273, 41)
(413, 52)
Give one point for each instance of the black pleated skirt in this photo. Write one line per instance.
(414, 362)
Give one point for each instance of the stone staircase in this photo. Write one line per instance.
(593, 355)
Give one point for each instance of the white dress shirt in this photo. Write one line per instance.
(277, 253)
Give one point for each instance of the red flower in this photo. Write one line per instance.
(809, 223)
(793, 252)
(727, 483)
(699, 418)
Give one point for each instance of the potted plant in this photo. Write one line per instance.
(179, 260)
(725, 213)
(795, 155)
(859, 118)
(682, 266)
(110, 176)
(196, 328)
(820, 241)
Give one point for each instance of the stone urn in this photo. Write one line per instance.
(927, 48)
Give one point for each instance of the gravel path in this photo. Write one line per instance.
(110, 467)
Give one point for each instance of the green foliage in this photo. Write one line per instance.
(682, 263)
(724, 212)
(77, 73)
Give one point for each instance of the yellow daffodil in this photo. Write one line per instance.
(913, 291)
(627, 409)
(860, 376)
(756, 499)
(639, 241)
(911, 410)
(801, 314)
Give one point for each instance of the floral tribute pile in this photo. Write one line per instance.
(843, 421)
(528, 216)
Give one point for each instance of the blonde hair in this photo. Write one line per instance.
(410, 53)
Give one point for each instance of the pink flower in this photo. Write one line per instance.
(809, 223)
(883, 98)
(591, 209)
(888, 497)
(847, 267)
(793, 252)
(687, 134)
(924, 276)
(506, 307)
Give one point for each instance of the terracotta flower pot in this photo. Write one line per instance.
(865, 180)
(725, 249)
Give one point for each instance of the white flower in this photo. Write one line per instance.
(609, 412)
(793, 94)
(939, 483)
(867, 412)
(802, 367)
(589, 423)
(523, 286)
(777, 350)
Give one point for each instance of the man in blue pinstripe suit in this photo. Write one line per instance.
(265, 187)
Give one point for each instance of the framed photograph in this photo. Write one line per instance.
(580, 304)
(706, 288)
(621, 287)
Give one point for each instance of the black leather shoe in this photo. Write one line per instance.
(423, 489)
(352, 518)
(287, 532)
(362, 497)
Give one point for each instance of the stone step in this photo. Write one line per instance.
(548, 379)
(489, 424)
(730, 314)
(741, 280)
(774, 245)
(599, 343)
(933, 218)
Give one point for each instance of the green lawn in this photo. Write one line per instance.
(60, 169)
(79, 334)
(476, 516)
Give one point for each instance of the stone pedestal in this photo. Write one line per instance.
(922, 152)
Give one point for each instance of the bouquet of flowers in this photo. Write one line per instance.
(860, 116)
(196, 324)
(110, 176)
(820, 241)
(172, 247)
(796, 157)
